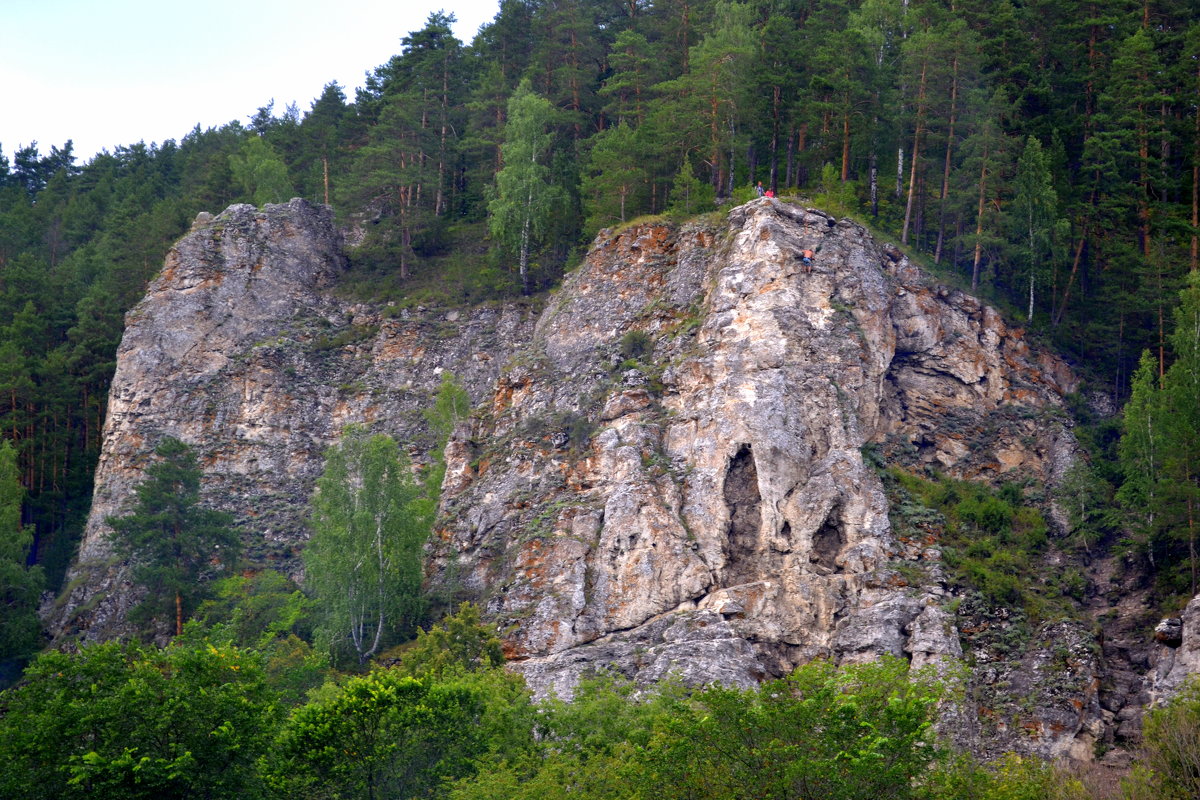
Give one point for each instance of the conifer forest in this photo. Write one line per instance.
(1042, 154)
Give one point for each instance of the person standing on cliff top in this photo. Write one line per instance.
(758, 189)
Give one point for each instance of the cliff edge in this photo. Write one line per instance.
(668, 471)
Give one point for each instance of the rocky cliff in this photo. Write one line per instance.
(670, 478)
(241, 349)
(665, 471)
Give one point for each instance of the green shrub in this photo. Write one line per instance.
(635, 344)
(989, 539)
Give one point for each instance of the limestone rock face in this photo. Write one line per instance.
(1177, 655)
(665, 472)
(240, 349)
(671, 476)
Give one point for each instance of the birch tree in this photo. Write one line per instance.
(524, 196)
(1035, 214)
(363, 563)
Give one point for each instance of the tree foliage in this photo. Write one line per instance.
(170, 540)
(363, 564)
(119, 720)
(1172, 748)
(260, 172)
(1160, 456)
(20, 583)
(459, 643)
(525, 194)
(381, 735)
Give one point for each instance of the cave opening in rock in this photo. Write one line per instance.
(742, 543)
(828, 541)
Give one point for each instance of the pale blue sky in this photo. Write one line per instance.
(113, 72)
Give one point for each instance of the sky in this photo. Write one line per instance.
(105, 73)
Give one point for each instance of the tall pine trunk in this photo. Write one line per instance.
(916, 149)
(937, 253)
(983, 176)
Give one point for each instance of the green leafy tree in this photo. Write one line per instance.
(1181, 454)
(121, 720)
(524, 196)
(451, 406)
(1141, 447)
(260, 172)
(170, 540)
(613, 176)
(267, 612)
(1035, 220)
(460, 642)
(380, 735)
(1171, 748)
(255, 609)
(596, 744)
(363, 563)
(20, 584)
(863, 731)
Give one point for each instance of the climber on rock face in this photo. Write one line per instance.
(806, 258)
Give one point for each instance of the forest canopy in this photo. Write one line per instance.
(1045, 153)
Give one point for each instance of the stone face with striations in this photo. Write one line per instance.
(664, 474)
(670, 477)
(241, 349)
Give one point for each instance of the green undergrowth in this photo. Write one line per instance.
(452, 266)
(992, 541)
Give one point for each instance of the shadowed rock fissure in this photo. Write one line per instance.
(828, 542)
(742, 546)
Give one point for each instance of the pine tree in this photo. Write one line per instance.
(613, 177)
(628, 87)
(20, 584)
(689, 194)
(170, 540)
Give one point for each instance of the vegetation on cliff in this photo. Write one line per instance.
(1053, 166)
(206, 717)
(171, 541)
(364, 561)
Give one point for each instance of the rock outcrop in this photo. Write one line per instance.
(241, 349)
(665, 474)
(671, 477)
(1177, 655)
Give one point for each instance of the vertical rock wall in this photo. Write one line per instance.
(241, 349)
(670, 479)
(665, 472)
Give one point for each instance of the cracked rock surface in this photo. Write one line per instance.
(670, 477)
(665, 470)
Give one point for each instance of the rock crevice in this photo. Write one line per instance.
(698, 504)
